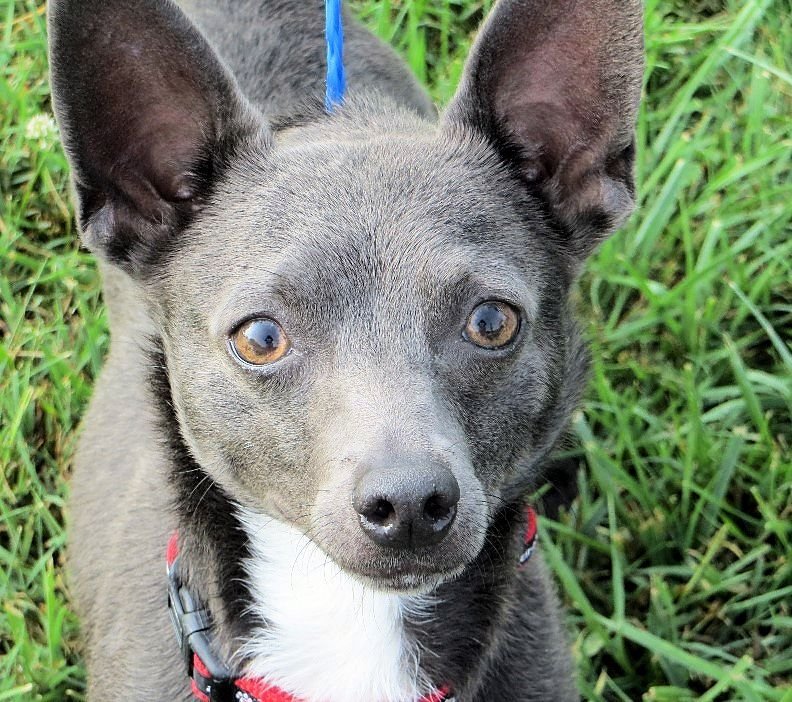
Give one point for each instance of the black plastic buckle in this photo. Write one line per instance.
(192, 625)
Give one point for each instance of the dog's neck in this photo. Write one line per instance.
(327, 636)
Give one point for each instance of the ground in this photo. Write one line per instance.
(675, 560)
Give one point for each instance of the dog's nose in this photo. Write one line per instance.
(407, 508)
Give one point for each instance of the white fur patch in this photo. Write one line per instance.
(329, 637)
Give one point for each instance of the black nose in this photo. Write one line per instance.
(407, 507)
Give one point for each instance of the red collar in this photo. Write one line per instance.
(210, 679)
(256, 690)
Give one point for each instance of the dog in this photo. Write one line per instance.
(342, 349)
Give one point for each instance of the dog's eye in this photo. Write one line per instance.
(492, 325)
(260, 341)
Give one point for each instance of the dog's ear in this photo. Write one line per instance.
(147, 113)
(555, 85)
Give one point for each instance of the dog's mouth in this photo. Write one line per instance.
(408, 570)
(409, 575)
(403, 571)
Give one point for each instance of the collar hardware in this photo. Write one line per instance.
(529, 537)
(210, 679)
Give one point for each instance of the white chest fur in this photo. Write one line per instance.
(329, 638)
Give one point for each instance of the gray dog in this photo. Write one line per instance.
(342, 351)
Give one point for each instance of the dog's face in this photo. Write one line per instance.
(365, 317)
(372, 260)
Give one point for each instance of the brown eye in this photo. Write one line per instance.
(260, 341)
(492, 325)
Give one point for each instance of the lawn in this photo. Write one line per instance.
(676, 560)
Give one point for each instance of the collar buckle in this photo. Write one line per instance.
(211, 680)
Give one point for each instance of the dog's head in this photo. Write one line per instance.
(364, 317)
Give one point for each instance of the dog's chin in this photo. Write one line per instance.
(404, 571)
(408, 579)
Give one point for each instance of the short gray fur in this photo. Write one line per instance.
(370, 234)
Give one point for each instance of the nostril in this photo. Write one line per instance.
(436, 508)
(382, 513)
(439, 511)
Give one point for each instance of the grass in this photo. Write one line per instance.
(675, 561)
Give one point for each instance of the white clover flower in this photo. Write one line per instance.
(42, 129)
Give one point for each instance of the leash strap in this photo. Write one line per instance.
(334, 38)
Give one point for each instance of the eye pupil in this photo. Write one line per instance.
(491, 320)
(492, 325)
(260, 341)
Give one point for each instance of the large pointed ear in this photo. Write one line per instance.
(148, 116)
(555, 86)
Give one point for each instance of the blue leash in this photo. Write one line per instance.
(334, 36)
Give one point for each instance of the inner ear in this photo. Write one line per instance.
(555, 86)
(148, 115)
